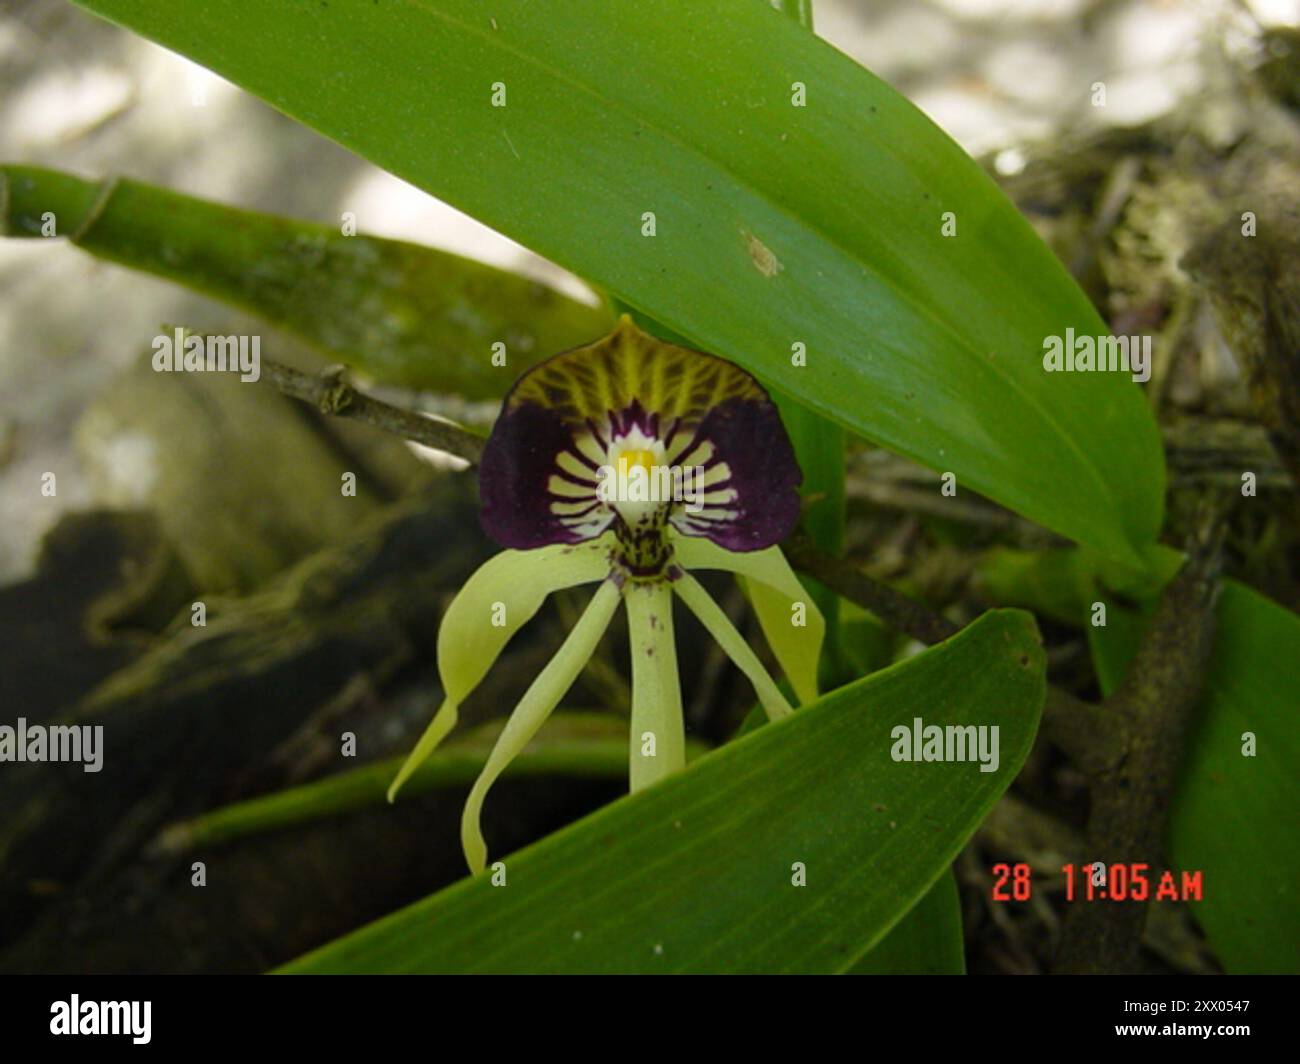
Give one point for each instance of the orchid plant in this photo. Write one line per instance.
(574, 432)
(715, 164)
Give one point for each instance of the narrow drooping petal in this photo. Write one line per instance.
(636, 435)
(658, 746)
(780, 601)
(542, 696)
(502, 595)
(720, 627)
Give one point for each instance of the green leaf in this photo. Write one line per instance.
(927, 941)
(695, 874)
(774, 224)
(406, 314)
(1232, 817)
(1235, 817)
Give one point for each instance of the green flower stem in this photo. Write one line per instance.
(720, 627)
(404, 314)
(542, 696)
(573, 744)
(658, 746)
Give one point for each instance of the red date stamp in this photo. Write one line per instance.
(1102, 882)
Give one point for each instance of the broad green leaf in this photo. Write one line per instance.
(1233, 817)
(799, 10)
(774, 224)
(406, 314)
(695, 874)
(927, 941)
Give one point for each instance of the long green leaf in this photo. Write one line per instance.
(406, 314)
(695, 874)
(775, 225)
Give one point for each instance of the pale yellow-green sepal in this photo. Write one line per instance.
(791, 622)
(441, 725)
(741, 653)
(658, 746)
(542, 696)
(503, 594)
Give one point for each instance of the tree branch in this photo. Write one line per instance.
(1130, 800)
(330, 393)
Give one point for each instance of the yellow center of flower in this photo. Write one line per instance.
(629, 459)
(641, 509)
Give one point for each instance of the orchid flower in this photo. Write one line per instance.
(626, 464)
